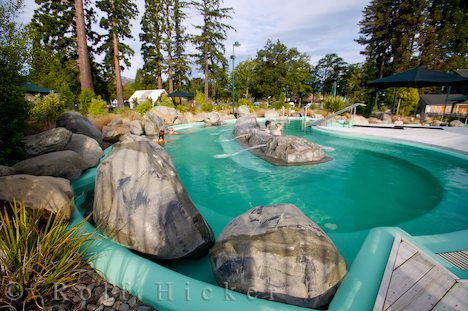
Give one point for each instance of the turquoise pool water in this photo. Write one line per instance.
(367, 184)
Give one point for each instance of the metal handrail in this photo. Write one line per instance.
(317, 122)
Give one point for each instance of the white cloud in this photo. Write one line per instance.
(315, 27)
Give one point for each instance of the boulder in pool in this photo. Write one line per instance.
(140, 202)
(277, 253)
(243, 111)
(293, 150)
(86, 147)
(243, 126)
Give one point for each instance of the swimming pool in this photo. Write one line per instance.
(367, 184)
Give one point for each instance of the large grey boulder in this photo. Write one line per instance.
(135, 127)
(78, 124)
(168, 114)
(456, 123)
(152, 123)
(293, 150)
(86, 147)
(6, 170)
(243, 111)
(66, 164)
(212, 119)
(140, 202)
(243, 125)
(49, 141)
(112, 133)
(49, 193)
(277, 253)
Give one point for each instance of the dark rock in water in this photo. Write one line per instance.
(141, 203)
(293, 150)
(38, 192)
(86, 147)
(277, 253)
(49, 141)
(278, 150)
(78, 124)
(244, 125)
(66, 164)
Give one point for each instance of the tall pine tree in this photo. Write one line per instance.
(181, 66)
(116, 21)
(210, 41)
(152, 26)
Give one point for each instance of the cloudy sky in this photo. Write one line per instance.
(314, 27)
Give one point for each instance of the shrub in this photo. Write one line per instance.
(206, 107)
(97, 107)
(38, 253)
(164, 100)
(47, 108)
(245, 102)
(409, 98)
(144, 107)
(84, 100)
(334, 103)
(182, 108)
(67, 97)
(200, 98)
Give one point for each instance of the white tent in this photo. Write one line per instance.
(141, 95)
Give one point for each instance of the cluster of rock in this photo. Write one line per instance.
(157, 119)
(279, 150)
(277, 253)
(54, 158)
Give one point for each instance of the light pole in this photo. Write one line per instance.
(233, 85)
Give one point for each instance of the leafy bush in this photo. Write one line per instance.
(206, 107)
(334, 103)
(67, 97)
(84, 100)
(182, 108)
(200, 98)
(144, 107)
(164, 100)
(97, 107)
(47, 108)
(244, 101)
(38, 253)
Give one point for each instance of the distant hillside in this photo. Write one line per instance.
(125, 80)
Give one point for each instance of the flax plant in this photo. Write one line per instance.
(38, 253)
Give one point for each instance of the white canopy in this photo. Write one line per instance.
(141, 95)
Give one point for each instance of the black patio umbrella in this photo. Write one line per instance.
(180, 94)
(459, 98)
(419, 77)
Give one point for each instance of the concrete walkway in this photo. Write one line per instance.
(450, 138)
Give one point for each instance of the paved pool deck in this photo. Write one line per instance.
(450, 138)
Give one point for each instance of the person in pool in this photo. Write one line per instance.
(268, 126)
(160, 139)
(278, 129)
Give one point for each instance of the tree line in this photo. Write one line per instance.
(67, 39)
(395, 35)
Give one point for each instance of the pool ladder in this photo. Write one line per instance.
(352, 107)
